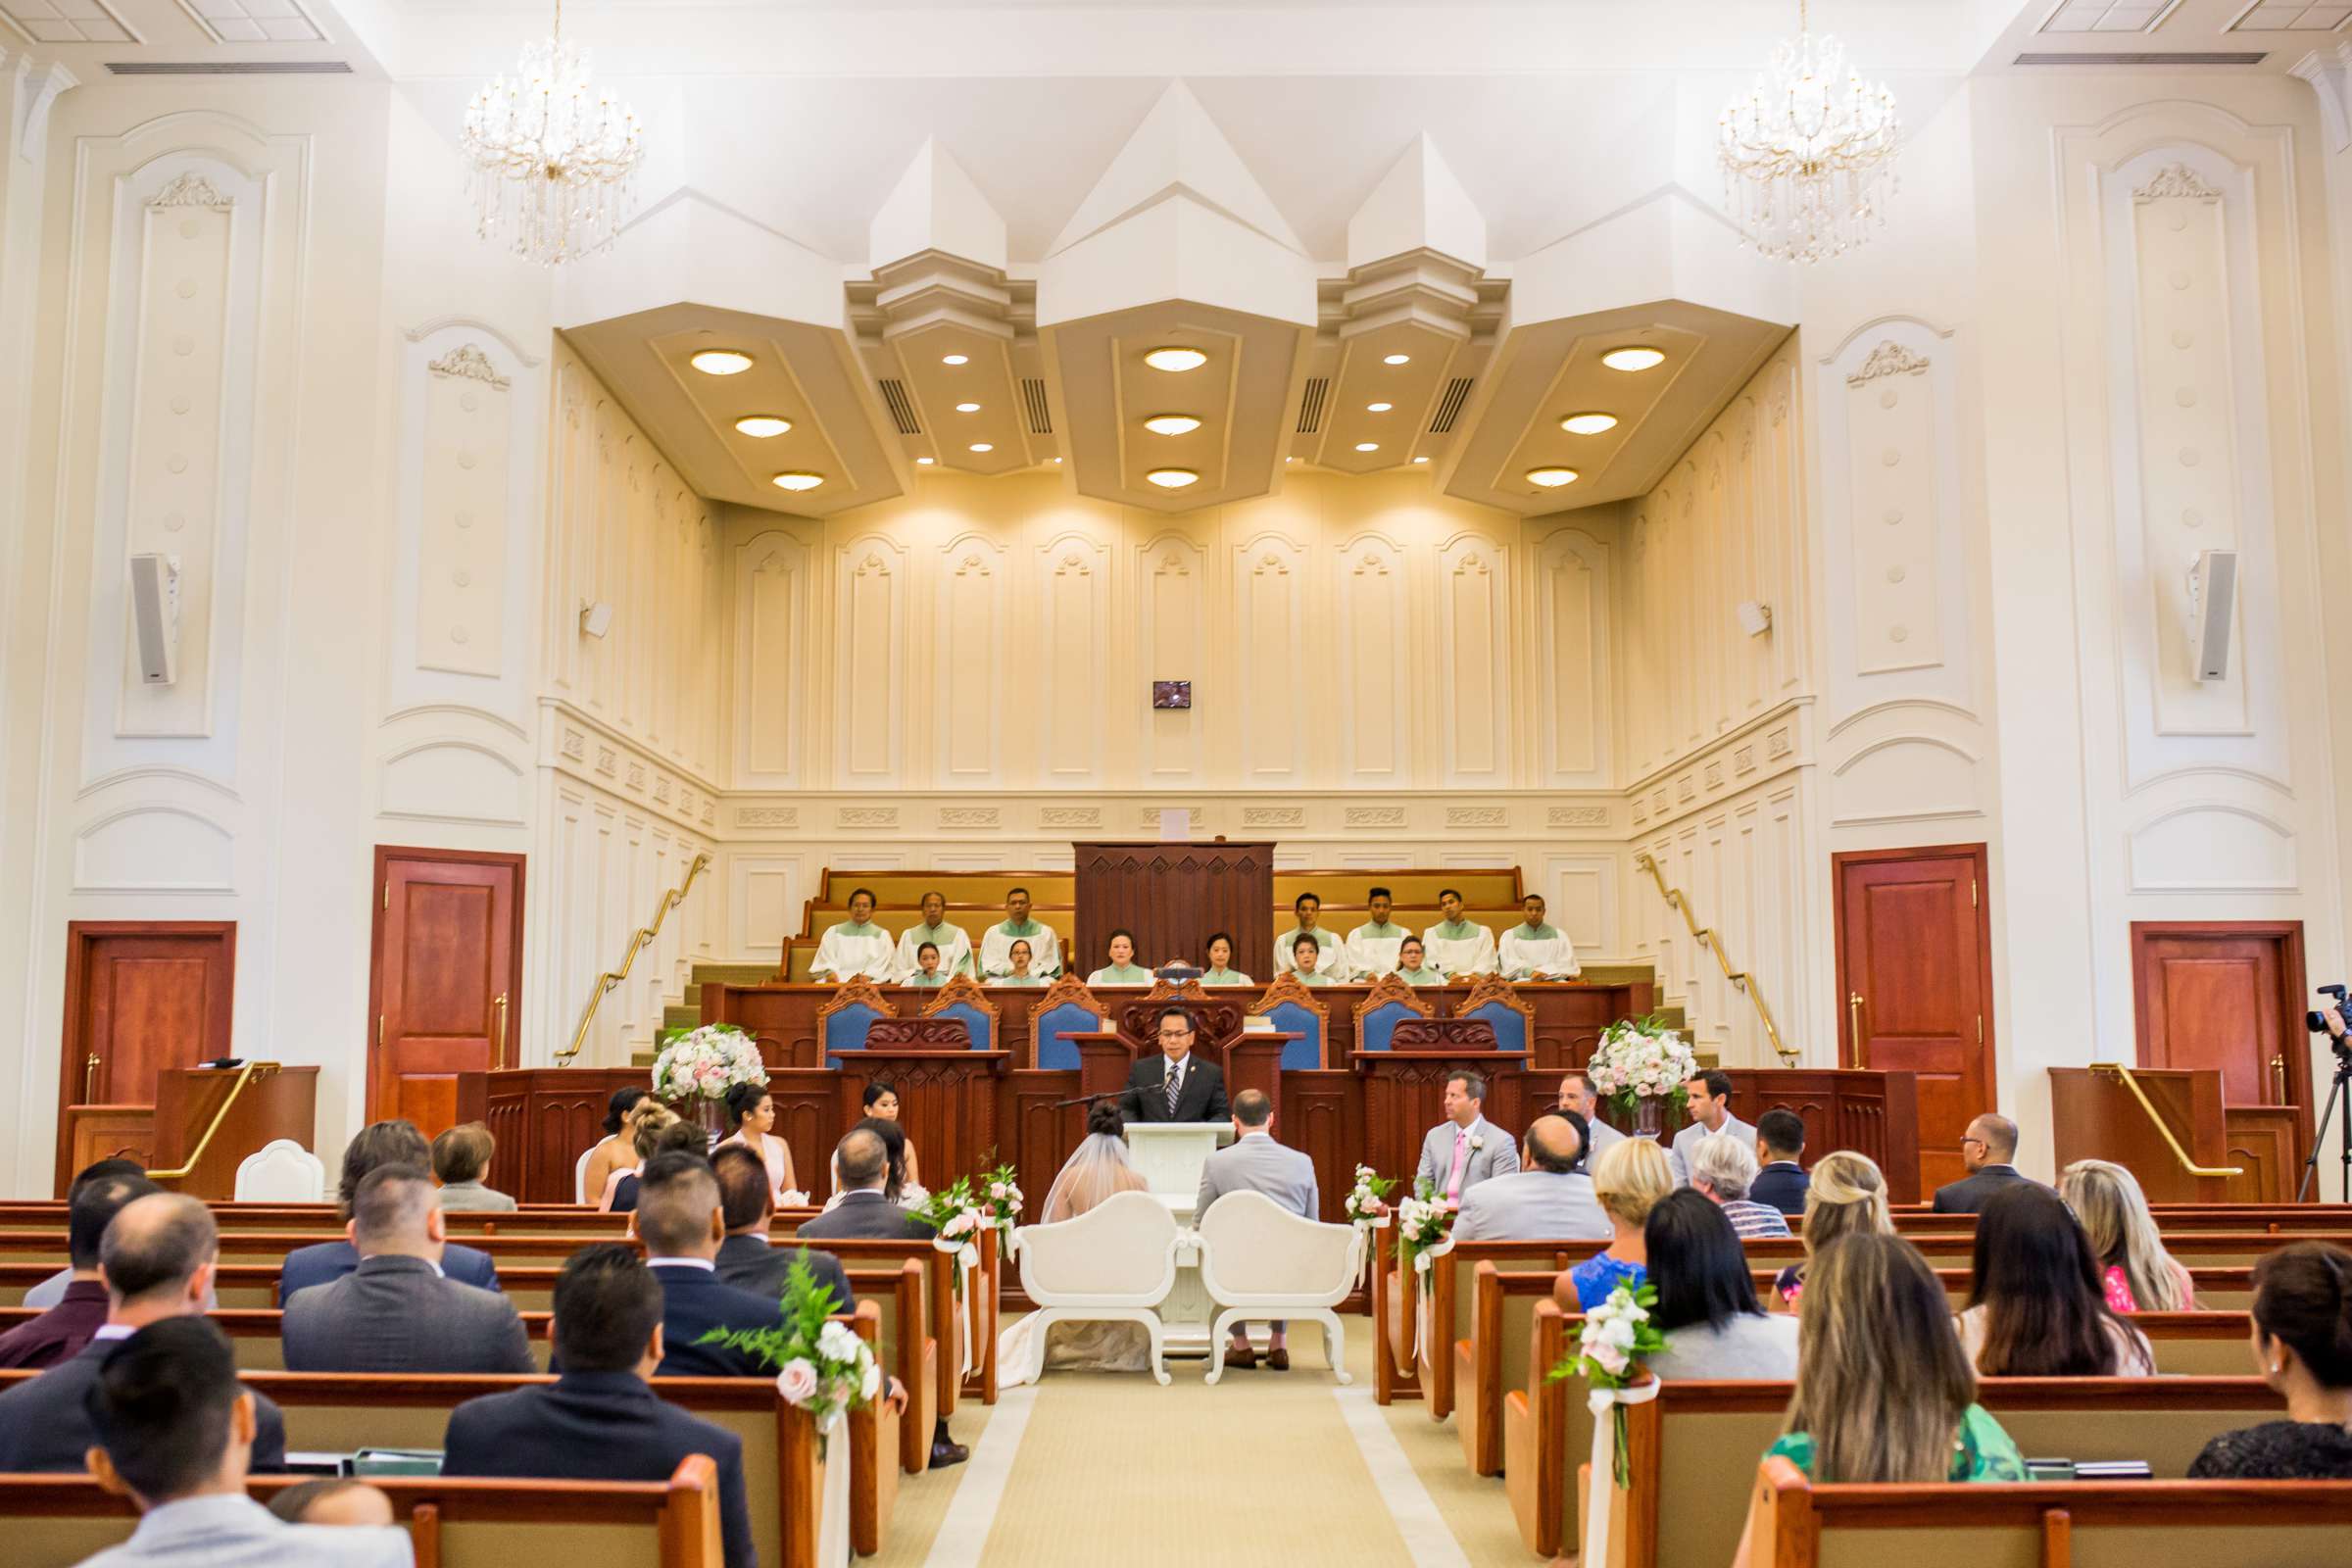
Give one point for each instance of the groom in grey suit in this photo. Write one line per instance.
(1465, 1148)
(1254, 1163)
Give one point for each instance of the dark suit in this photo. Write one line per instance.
(1781, 1185)
(596, 1426)
(865, 1217)
(42, 1427)
(751, 1263)
(1970, 1195)
(1200, 1097)
(695, 1300)
(330, 1261)
(395, 1314)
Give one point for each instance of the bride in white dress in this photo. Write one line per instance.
(1097, 1170)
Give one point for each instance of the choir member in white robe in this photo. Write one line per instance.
(954, 948)
(857, 947)
(996, 943)
(1331, 948)
(1534, 951)
(1019, 973)
(1456, 945)
(1372, 946)
(1412, 965)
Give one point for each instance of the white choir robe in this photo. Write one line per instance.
(842, 952)
(1044, 950)
(955, 951)
(1523, 957)
(1331, 952)
(1460, 956)
(1370, 957)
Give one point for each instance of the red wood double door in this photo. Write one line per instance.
(445, 986)
(140, 996)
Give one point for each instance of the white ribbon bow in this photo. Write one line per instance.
(1603, 1481)
(1424, 1290)
(833, 1503)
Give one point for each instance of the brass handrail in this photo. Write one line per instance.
(252, 1070)
(2181, 1154)
(638, 943)
(1747, 982)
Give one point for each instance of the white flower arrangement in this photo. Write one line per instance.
(1640, 1058)
(1369, 1194)
(706, 1062)
(1423, 1219)
(821, 1364)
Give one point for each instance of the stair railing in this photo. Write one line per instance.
(1705, 935)
(644, 938)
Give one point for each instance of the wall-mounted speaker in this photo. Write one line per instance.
(155, 615)
(596, 618)
(1755, 616)
(2211, 608)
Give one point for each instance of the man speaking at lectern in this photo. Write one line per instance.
(1175, 1088)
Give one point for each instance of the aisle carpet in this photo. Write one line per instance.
(1274, 1468)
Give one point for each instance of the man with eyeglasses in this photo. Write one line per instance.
(1985, 1149)
(1179, 1087)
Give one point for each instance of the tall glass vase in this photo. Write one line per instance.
(1649, 1116)
(713, 1115)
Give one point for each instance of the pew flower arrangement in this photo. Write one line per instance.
(822, 1365)
(1639, 1059)
(705, 1064)
(955, 1223)
(1369, 1196)
(997, 1198)
(1617, 1338)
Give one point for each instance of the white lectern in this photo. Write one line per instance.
(1169, 1155)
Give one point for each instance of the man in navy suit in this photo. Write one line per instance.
(1177, 1086)
(600, 1420)
(382, 1142)
(1783, 1183)
(158, 1255)
(1986, 1148)
(682, 1224)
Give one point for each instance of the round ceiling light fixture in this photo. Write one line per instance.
(1635, 358)
(721, 361)
(1367, 446)
(983, 446)
(1396, 358)
(954, 359)
(798, 481)
(1550, 478)
(1172, 478)
(1378, 408)
(762, 426)
(1589, 423)
(967, 407)
(924, 462)
(1171, 425)
(1173, 358)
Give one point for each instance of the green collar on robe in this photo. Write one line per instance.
(918, 978)
(856, 928)
(1119, 974)
(1533, 933)
(1016, 980)
(1452, 930)
(1382, 929)
(1011, 930)
(929, 933)
(1224, 977)
(1421, 977)
(1317, 932)
(1313, 979)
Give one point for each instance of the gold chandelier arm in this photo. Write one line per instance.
(1677, 901)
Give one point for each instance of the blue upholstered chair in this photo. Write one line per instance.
(961, 999)
(842, 1023)
(1067, 1007)
(1294, 1010)
(1387, 1004)
(1492, 998)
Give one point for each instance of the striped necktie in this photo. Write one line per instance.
(1175, 1083)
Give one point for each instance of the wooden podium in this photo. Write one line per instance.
(2166, 1125)
(1171, 896)
(209, 1119)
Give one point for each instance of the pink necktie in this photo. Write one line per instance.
(1461, 1154)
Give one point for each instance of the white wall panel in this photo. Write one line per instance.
(1270, 613)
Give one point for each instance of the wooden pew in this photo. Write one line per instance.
(56, 1520)
(2127, 1524)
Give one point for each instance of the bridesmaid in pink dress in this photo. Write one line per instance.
(752, 1112)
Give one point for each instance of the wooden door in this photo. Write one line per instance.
(1915, 985)
(446, 984)
(140, 996)
(2225, 995)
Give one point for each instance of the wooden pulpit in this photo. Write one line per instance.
(2163, 1124)
(209, 1119)
(1171, 896)
(947, 1104)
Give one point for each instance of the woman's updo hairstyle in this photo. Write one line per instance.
(874, 1092)
(617, 1108)
(645, 1121)
(2303, 1298)
(742, 1101)
(1105, 1120)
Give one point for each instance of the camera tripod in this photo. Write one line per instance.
(2340, 1095)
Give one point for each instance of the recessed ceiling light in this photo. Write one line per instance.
(798, 481)
(923, 461)
(1367, 446)
(1378, 408)
(762, 426)
(954, 359)
(1175, 358)
(1551, 478)
(1396, 358)
(1056, 459)
(1420, 459)
(1589, 423)
(1172, 479)
(983, 446)
(721, 361)
(967, 407)
(1171, 425)
(1633, 359)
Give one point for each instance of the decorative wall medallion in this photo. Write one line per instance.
(710, 814)
(1685, 788)
(1577, 816)
(1743, 761)
(606, 760)
(968, 816)
(1070, 817)
(1777, 743)
(191, 189)
(469, 360)
(661, 788)
(2177, 179)
(866, 816)
(768, 816)
(1149, 818)
(637, 775)
(1376, 817)
(575, 745)
(1889, 358)
(686, 802)
(1640, 811)
(1657, 803)
(1274, 817)
(1714, 775)
(1477, 816)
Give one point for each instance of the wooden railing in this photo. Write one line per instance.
(644, 938)
(252, 1071)
(2164, 1127)
(1706, 937)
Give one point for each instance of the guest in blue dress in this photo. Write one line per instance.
(1629, 1180)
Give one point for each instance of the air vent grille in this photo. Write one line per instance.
(228, 68)
(1033, 403)
(1450, 406)
(902, 407)
(1310, 404)
(2215, 57)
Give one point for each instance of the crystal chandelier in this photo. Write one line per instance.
(553, 156)
(1808, 161)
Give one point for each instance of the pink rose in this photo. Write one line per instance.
(797, 1383)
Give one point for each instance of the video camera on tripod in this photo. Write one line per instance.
(2340, 1043)
(2316, 1022)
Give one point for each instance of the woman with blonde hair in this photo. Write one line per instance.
(1848, 1196)
(642, 1128)
(2137, 1273)
(1631, 1179)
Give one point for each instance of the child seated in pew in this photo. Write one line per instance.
(2036, 1307)
(2302, 1342)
